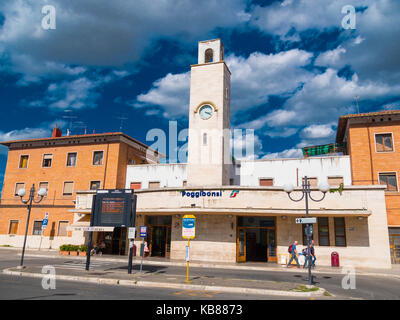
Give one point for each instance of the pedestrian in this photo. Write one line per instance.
(146, 250)
(312, 255)
(293, 254)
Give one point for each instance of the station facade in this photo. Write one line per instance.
(242, 212)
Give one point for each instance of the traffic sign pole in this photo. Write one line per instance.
(187, 261)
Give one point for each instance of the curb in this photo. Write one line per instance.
(217, 266)
(150, 284)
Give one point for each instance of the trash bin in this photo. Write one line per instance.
(134, 250)
(335, 259)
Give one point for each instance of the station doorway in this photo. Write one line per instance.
(115, 241)
(159, 235)
(256, 239)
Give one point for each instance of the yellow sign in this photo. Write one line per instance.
(188, 227)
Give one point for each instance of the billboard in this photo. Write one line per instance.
(113, 208)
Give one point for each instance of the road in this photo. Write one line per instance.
(367, 287)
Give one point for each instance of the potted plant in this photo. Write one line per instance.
(64, 250)
(82, 250)
(73, 250)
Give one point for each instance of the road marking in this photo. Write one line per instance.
(196, 293)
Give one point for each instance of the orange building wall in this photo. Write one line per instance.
(111, 175)
(367, 163)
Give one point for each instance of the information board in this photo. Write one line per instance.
(189, 227)
(113, 208)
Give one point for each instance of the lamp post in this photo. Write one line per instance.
(324, 188)
(29, 202)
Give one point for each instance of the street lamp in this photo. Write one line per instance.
(324, 188)
(21, 193)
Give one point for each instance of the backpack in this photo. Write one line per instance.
(304, 251)
(290, 248)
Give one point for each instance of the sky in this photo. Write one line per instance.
(112, 65)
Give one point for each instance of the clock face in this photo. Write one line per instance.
(206, 112)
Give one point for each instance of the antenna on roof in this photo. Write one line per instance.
(69, 117)
(358, 110)
(122, 118)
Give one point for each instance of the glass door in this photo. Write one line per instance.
(241, 245)
(271, 246)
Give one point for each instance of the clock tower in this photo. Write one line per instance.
(209, 112)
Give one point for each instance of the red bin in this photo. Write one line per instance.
(134, 250)
(335, 259)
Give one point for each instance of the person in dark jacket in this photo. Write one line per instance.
(313, 258)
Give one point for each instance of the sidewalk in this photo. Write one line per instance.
(159, 280)
(256, 266)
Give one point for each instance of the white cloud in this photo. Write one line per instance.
(288, 153)
(330, 57)
(245, 146)
(171, 92)
(253, 80)
(326, 97)
(27, 133)
(74, 94)
(104, 33)
(280, 18)
(317, 131)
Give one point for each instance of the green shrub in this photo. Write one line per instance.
(69, 247)
(83, 248)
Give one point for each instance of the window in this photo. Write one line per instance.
(313, 181)
(266, 182)
(384, 142)
(68, 188)
(323, 231)
(340, 232)
(23, 162)
(71, 159)
(305, 234)
(389, 179)
(136, 185)
(13, 227)
(98, 158)
(154, 184)
(94, 185)
(208, 55)
(335, 181)
(131, 162)
(37, 228)
(19, 185)
(44, 185)
(47, 159)
(62, 229)
(184, 183)
(204, 139)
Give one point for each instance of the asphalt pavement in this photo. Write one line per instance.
(12, 287)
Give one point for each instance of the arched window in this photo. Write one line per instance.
(208, 56)
(204, 139)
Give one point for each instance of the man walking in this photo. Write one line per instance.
(312, 256)
(293, 254)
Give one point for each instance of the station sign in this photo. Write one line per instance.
(306, 220)
(143, 231)
(131, 233)
(188, 227)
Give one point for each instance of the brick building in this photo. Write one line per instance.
(62, 165)
(373, 143)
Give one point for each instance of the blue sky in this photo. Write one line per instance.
(295, 70)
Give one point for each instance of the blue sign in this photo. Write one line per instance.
(143, 231)
(45, 222)
(189, 222)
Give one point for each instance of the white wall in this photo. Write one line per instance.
(284, 171)
(169, 175)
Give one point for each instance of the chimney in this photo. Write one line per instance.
(56, 132)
